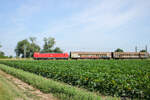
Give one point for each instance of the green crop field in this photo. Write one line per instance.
(129, 78)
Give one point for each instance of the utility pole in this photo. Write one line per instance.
(135, 48)
(25, 50)
(146, 48)
(17, 53)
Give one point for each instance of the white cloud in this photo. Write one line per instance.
(98, 21)
(105, 15)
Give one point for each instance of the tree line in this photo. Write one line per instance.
(2, 54)
(27, 47)
(121, 50)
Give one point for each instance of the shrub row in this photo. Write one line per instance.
(61, 90)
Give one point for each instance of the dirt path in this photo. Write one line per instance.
(28, 91)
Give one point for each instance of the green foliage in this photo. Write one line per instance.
(10, 56)
(129, 78)
(32, 39)
(2, 55)
(143, 50)
(61, 90)
(21, 45)
(30, 48)
(57, 50)
(33, 46)
(118, 50)
(49, 44)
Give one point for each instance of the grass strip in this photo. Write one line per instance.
(9, 91)
(61, 90)
(5, 92)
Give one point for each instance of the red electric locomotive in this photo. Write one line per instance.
(40, 56)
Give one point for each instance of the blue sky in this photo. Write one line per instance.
(86, 25)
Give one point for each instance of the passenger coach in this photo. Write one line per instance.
(130, 55)
(90, 55)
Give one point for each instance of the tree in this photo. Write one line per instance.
(48, 44)
(143, 50)
(33, 46)
(10, 56)
(58, 50)
(32, 39)
(119, 50)
(2, 54)
(23, 48)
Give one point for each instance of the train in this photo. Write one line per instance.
(91, 55)
(42, 56)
